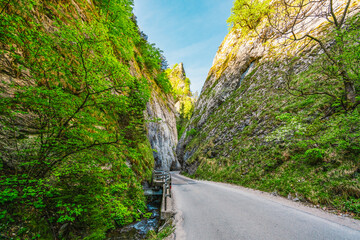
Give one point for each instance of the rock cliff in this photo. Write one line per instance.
(247, 68)
(267, 117)
(180, 86)
(84, 101)
(184, 99)
(162, 133)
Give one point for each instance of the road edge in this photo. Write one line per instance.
(300, 206)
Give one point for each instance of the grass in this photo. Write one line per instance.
(162, 234)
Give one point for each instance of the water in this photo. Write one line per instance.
(138, 230)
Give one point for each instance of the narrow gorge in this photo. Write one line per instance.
(89, 108)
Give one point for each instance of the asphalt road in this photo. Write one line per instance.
(216, 211)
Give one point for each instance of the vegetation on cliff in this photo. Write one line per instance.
(292, 124)
(184, 99)
(73, 146)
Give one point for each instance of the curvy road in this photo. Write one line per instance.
(217, 211)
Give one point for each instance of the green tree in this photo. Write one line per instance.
(292, 18)
(73, 149)
(247, 14)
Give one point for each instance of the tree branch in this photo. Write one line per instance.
(333, 14)
(344, 14)
(322, 47)
(95, 144)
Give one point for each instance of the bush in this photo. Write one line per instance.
(163, 82)
(247, 14)
(192, 132)
(314, 156)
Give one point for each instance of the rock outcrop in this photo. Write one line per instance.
(181, 87)
(241, 91)
(235, 58)
(162, 131)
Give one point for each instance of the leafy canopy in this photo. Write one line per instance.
(73, 148)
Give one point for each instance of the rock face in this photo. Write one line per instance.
(162, 131)
(181, 86)
(184, 100)
(230, 66)
(242, 95)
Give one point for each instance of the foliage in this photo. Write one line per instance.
(163, 234)
(73, 145)
(339, 65)
(154, 61)
(182, 94)
(163, 82)
(187, 108)
(247, 14)
(192, 132)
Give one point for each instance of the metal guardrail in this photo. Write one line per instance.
(159, 175)
(163, 178)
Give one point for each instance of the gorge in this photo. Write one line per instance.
(89, 108)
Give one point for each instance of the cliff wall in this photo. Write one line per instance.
(76, 81)
(253, 125)
(162, 132)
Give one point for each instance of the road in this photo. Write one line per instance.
(217, 211)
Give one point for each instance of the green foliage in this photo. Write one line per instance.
(180, 88)
(247, 14)
(353, 205)
(151, 55)
(314, 155)
(163, 82)
(179, 82)
(73, 150)
(153, 60)
(163, 234)
(192, 132)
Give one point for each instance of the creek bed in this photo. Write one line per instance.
(139, 230)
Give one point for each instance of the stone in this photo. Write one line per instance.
(161, 130)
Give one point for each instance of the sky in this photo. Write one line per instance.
(188, 31)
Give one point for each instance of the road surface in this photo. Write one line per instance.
(216, 211)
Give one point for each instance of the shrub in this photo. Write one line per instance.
(314, 156)
(192, 132)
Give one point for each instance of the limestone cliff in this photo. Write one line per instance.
(184, 99)
(160, 115)
(180, 87)
(235, 58)
(162, 133)
(247, 68)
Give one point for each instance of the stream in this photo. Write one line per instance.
(139, 230)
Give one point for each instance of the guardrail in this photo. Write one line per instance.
(163, 179)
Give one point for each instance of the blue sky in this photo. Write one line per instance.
(188, 31)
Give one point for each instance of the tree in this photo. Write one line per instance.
(73, 151)
(292, 18)
(247, 14)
